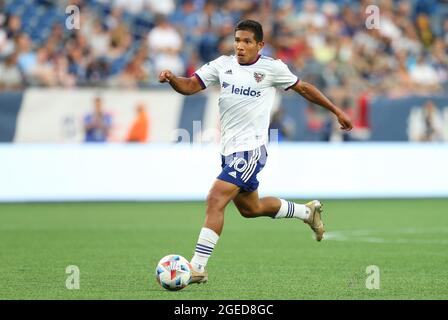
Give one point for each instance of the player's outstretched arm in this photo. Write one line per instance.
(185, 86)
(311, 93)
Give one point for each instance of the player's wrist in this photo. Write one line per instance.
(338, 112)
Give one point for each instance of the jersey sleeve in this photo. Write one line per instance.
(283, 77)
(208, 74)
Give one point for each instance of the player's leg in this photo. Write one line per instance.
(220, 195)
(251, 206)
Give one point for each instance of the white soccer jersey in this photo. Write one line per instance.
(247, 95)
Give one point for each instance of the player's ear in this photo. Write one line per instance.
(260, 45)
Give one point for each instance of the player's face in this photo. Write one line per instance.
(246, 47)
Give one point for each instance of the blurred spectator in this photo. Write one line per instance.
(139, 131)
(187, 20)
(310, 16)
(445, 31)
(133, 6)
(120, 42)
(134, 74)
(77, 64)
(425, 124)
(164, 38)
(212, 20)
(99, 40)
(388, 28)
(164, 7)
(168, 61)
(114, 18)
(2, 10)
(309, 70)
(25, 56)
(325, 52)
(439, 60)
(10, 76)
(165, 44)
(97, 125)
(6, 44)
(43, 71)
(13, 26)
(424, 30)
(63, 77)
(424, 74)
(36, 66)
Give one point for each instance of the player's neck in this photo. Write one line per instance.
(252, 62)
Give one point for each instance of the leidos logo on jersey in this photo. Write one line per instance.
(245, 91)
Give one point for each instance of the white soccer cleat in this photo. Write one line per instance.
(198, 277)
(315, 220)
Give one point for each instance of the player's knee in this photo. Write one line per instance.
(251, 212)
(246, 213)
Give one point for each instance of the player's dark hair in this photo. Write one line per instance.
(252, 26)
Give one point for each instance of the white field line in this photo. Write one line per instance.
(440, 236)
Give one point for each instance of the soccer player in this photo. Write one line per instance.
(248, 83)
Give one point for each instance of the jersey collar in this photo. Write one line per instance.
(250, 63)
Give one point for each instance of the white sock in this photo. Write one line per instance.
(290, 209)
(204, 248)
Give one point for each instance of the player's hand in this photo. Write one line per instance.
(165, 76)
(345, 122)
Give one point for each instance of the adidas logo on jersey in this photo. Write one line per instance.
(233, 174)
(245, 91)
(228, 72)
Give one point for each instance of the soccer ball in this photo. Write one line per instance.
(173, 272)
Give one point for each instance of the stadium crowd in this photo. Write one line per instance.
(126, 44)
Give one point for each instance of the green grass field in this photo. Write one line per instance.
(117, 246)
